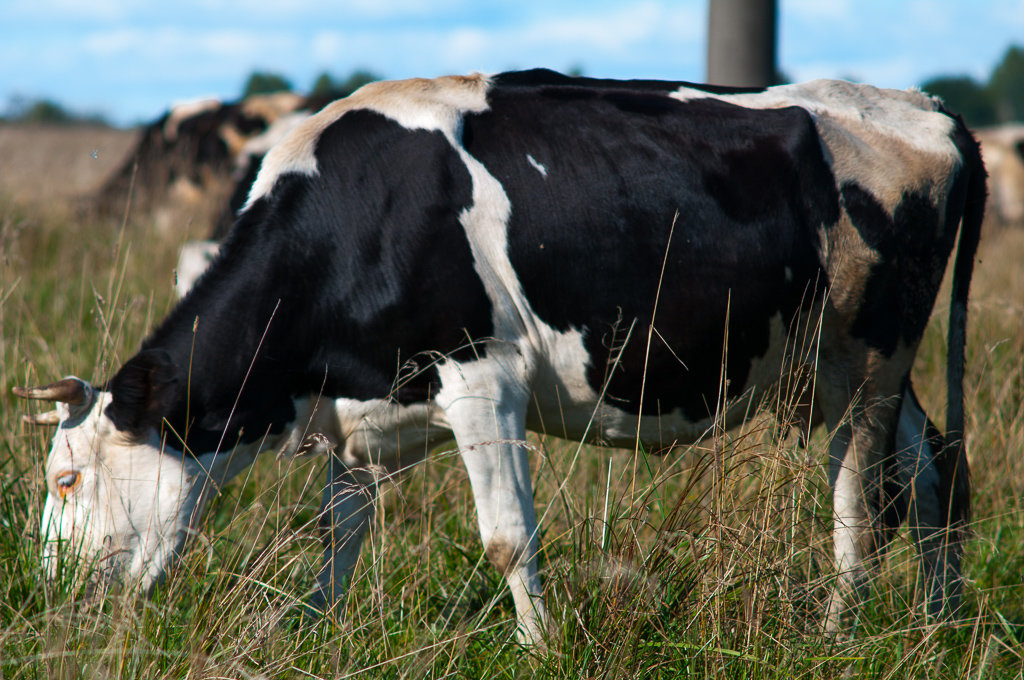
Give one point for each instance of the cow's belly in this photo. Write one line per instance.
(562, 403)
(565, 404)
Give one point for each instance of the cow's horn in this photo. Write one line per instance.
(71, 391)
(47, 418)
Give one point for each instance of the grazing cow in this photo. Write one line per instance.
(196, 256)
(1002, 149)
(182, 164)
(480, 255)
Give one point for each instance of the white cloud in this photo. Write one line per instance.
(113, 43)
(94, 11)
(622, 35)
(819, 11)
(328, 46)
(139, 50)
(619, 29)
(1009, 13)
(389, 9)
(892, 71)
(926, 18)
(170, 43)
(466, 45)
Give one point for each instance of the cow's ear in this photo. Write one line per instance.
(142, 392)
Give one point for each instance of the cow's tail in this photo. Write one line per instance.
(952, 461)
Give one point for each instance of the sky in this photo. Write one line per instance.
(129, 60)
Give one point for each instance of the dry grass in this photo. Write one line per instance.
(712, 561)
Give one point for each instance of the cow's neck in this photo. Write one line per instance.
(240, 358)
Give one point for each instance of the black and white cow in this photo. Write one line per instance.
(196, 256)
(180, 169)
(478, 255)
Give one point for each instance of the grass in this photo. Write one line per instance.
(712, 562)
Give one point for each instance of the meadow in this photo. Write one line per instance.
(710, 562)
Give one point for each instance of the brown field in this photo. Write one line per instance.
(40, 163)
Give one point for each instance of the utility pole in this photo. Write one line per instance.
(742, 37)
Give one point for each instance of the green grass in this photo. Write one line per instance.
(711, 562)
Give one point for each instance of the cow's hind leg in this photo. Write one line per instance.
(345, 517)
(486, 409)
(863, 425)
(935, 492)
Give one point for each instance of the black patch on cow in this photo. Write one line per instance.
(902, 285)
(748, 191)
(142, 392)
(348, 283)
(542, 77)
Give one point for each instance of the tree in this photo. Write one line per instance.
(964, 95)
(265, 83)
(327, 87)
(323, 86)
(356, 80)
(1006, 86)
(21, 109)
(46, 111)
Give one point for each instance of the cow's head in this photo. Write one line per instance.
(118, 503)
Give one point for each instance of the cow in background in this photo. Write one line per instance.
(181, 168)
(195, 256)
(1003, 151)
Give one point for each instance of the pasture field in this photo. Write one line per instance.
(711, 562)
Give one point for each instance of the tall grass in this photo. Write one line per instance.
(713, 561)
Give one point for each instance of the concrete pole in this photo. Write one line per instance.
(742, 37)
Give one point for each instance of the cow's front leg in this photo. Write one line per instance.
(488, 418)
(345, 517)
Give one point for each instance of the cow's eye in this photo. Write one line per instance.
(67, 481)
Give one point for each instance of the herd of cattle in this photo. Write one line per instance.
(478, 256)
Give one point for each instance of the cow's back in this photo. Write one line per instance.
(458, 216)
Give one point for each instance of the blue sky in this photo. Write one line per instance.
(130, 59)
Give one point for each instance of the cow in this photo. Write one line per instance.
(181, 166)
(1002, 149)
(473, 256)
(195, 256)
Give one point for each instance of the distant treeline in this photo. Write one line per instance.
(325, 87)
(23, 110)
(999, 100)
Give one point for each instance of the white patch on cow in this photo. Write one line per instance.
(417, 104)
(862, 128)
(388, 434)
(911, 115)
(539, 167)
(262, 143)
(486, 401)
(194, 259)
